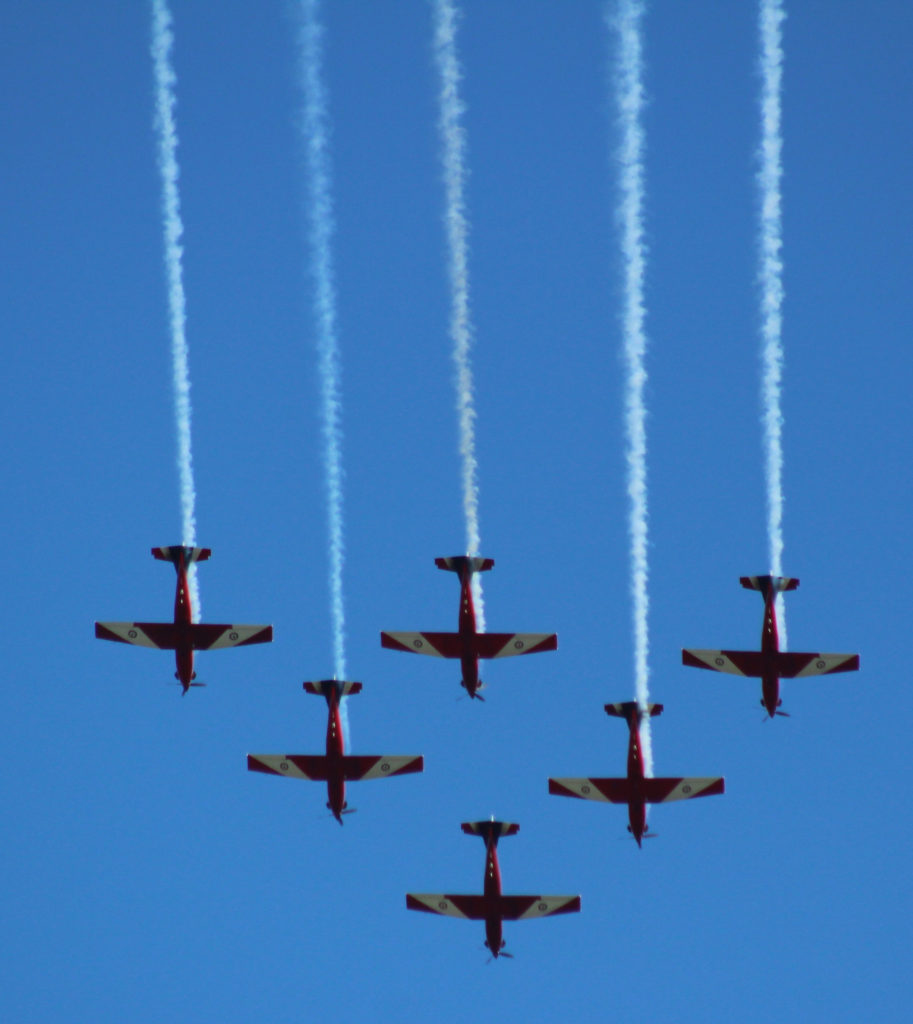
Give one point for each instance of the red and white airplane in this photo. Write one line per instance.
(183, 636)
(636, 790)
(336, 768)
(469, 645)
(492, 907)
(770, 663)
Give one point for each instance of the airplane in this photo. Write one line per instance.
(469, 645)
(636, 790)
(183, 636)
(770, 663)
(492, 907)
(335, 767)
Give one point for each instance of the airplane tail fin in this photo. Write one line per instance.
(491, 830)
(766, 584)
(627, 709)
(326, 686)
(173, 554)
(459, 563)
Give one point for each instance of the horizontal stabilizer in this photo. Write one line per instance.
(459, 563)
(325, 687)
(489, 830)
(482, 645)
(317, 767)
(623, 791)
(767, 583)
(166, 636)
(784, 664)
(477, 908)
(173, 554)
(629, 707)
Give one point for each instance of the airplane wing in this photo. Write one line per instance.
(471, 907)
(522, 908)
(438, 645)
(144, 634)
(316, 766)
(786, 664)
(613, 791)
(487, 645)
(476, 908)
(369, 766)
(295, 766)
(620, 791)
(208, 637)
(164, 635)
(795, 665)
(506, 645)
(661, 791)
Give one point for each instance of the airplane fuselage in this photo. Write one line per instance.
(469, 662)
(637, 806)
(492, 891)
(183, 617)
(336, 785)
(770, 645)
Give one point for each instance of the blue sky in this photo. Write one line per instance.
(147, 874)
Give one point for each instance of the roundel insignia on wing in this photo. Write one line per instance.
(442, 904)
(820, 663)
(233, 635)
(132, 634)
(417, 642)
(719, 661)
(584, 789)
(283, 765)
(518, 645)
(686, 788)
(543, 907)
(385, 767)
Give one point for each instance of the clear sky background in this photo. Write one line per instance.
(147, 875)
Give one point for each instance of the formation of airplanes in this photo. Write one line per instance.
(336, 767)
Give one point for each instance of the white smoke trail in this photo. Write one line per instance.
(165, 80)
(629, 96)
(771, 279)
(321, 229)
(453, 155)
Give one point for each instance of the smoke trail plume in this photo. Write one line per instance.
(321, 229)
(771, 279)
(165, 80)
(629, 96)
(453, 155)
